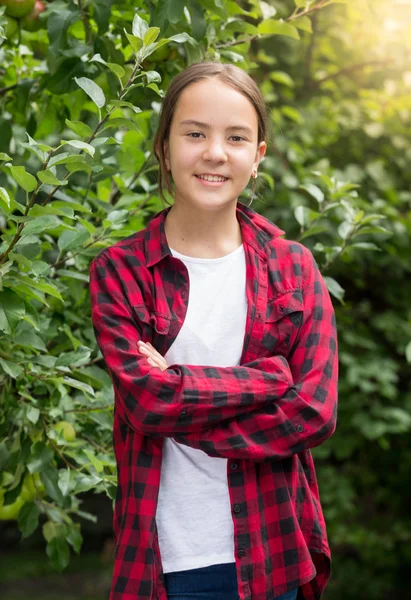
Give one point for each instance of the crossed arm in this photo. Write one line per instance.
(270, 408)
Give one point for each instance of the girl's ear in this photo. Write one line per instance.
(167, 155)
(261, 150)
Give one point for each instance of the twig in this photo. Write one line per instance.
(86, 23)
(293, 17)
(8, 89)
(351, 69)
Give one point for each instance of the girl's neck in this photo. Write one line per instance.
(203, 235)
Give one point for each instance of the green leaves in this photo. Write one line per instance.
(140, 27)
(92, 90)
(334, 288)
(278, 27)
(28, 520)
(58, 552)
(24, 179)
(12, 310)
(79, 128)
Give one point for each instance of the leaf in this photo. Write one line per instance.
(65, 481)
(334, 288)
(151, 35)
(277, 27)
(282, 77)
(72, 239)
(314, 231)
(24, 179)
(301, 215)
(135, 42)
(58, 552)
(48, 176)
(40, 457)
(373, 229)
(97, 464)
(77, 358)
(4, 156)
(33, 414)
(314, 191)
(81, 146)
(79, 128)
(79, 385)
(365, 246)
(5, 196)
(126, 104)
(74, 537)
(303, 23)
(12, 310)
(345, 230)
(153, 76)
(116, 69)
(292, 113)
(92, 90)
(12, 369)
(49, 477)
(139, 27)
(28, 519)
(40, 224)
(408, 352)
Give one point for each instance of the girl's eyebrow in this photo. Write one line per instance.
(206, 126)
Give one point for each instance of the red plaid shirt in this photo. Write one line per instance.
(263, 416)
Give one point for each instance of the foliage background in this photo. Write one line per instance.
(77, 174)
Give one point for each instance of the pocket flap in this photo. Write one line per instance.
(158, 321)
(283, 305)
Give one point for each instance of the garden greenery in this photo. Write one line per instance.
(81, 83)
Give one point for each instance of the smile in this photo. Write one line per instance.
(212, 178)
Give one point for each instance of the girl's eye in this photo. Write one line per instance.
(237, 138)
(195, 134)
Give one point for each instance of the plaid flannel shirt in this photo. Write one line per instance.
(263, 415)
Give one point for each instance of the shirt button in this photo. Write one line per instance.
(237, 508)
(183, 413)
(299, 428)
(233, 466)
(241, 553)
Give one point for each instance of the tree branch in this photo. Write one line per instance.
(86, 23)
(351, 69)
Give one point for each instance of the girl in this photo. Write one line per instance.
(220, 339)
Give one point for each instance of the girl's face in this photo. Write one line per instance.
(213, 145)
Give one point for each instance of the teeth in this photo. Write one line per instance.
(211, 177)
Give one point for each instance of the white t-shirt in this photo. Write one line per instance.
(194, 516)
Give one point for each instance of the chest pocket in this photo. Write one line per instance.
(154, 327)
(283, 319)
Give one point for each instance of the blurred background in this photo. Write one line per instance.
(81, 84)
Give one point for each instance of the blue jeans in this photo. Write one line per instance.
(217, 582)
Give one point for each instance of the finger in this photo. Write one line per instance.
(153, 363)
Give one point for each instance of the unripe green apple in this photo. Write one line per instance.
(31, 22)
(11, 27)
(18, 8)
(67, 429)
(10, 511)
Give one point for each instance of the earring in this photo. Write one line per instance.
(254, 174)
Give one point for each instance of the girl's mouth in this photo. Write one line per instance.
(212, 180)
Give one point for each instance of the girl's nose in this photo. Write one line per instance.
(215, 151)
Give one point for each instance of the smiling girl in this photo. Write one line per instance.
(220, 339)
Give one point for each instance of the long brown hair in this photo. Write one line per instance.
(227, 73)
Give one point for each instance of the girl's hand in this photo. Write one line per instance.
(154, 358)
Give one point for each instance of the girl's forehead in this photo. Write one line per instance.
(213, 100)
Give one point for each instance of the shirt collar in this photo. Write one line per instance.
(256, 231)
